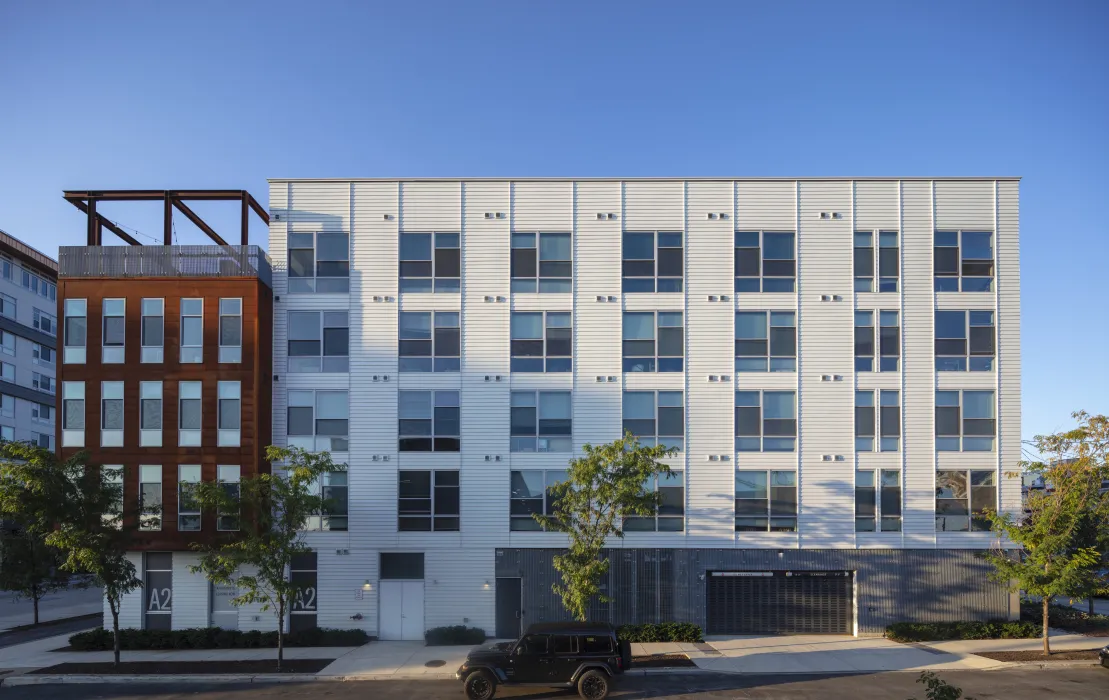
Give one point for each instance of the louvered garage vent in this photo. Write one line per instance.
(780, 602)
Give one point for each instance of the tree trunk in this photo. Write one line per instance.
(1047, 644)
(1091, 602)
(115, 634)
(35, 595)
(280, 636)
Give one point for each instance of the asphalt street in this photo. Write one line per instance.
(1022, 684)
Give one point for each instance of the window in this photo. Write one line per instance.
(542, 421)
(548, 268)
(150, 414)
(5, 267)
(192, 331)
(73, 414)
(7, 343)
(965, 256)
(889, 261)
(157, 590)
(765, 421)
(113, 476)
(7, 406)
(303, 575)
(319, 420)
(423, 269)
(542, 342)
(319, 341)
(41, 382)
(886, 422)
(656, 417)
(229, 413)
(430, 341)
(531, 493)
(319, 262)
(974, 430)
(877, 507)
(114, 331)
(332, 488)
(953, 352)
(111, 414)
(228, 478)
(642, 250)
(7, 373)
(38, 285)
(188, 414)
(7, 306)
(150, 497)
(42, 412)
(641, 351)
(429, 421)
(758, 346)
(40, 354)
(7, 433)
(153, 329)
(428, 501)
(759, 508)
(764, 261)
(44, 440)
(230, 330)
(670, 516)
(188, 507)
(889, 341)
(960, 508)
(564, 644)
(47, 323)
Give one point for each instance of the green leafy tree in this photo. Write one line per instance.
(938, 689)
(29, 567)
(602, 488)
(272, 510)
(1064, 532)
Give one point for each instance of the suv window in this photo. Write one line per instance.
(533, 644)
(564, 644)
(596, 645)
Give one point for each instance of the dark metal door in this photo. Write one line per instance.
(780, 602)
(508, 608)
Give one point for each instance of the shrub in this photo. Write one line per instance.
(938, 631)
(454, 635)
(661, 632)
(213, 638)
(1063, 617)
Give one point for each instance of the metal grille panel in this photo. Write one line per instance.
(780, 603)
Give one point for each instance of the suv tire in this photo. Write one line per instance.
(480, 685)
(593, 685)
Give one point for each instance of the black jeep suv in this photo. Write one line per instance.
(582, 655)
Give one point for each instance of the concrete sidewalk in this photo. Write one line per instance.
(55, 606)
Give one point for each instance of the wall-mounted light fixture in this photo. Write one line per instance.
(366, 585)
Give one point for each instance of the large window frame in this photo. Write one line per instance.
(319, 341)
(662, 271)
(318, 420)
(962, 498)
(319, 262)
(765, 500)
(885, 422)
(231, 330)
(966, 421)
(229, 477)
(114, 331)
(670, 515)
(541, 421)
(765, 261)
(887, 349)
(660, 423)
(654, 341)
(430, 262)
(887, 261)
(963, 260)
(877, 500)
(192, 331)
(429, 341)
(429, 421)
(228, 414)
(762, 423)
(75, 313)
(152, 330)
(111, 414)
(530, 492)
(547, 268)
(766, 341)
(551, 349)
(965, 344)
(45, 322)
(334, 516)
(188, 506)
(428, 501)
(150, 414)
(190, 413)
(151, 498)
(73, 414)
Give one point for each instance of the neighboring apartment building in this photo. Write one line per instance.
(836, 361)
(28, 338)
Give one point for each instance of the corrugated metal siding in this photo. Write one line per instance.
(891, 585)
(964, 204)
(768, 205)
(877, 205)
(827, 488)
(431, 206)
(190, 593)
(1008, 341)
(651, 206)
(542, 206)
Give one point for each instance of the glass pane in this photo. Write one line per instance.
(750, 326)
(750, 485)
(977, 245)
(554, 404)
(554, 246)
(527, 326)
(639, 326)
(777, 246)
(639, 246)
(778, 404)
(978, 404)
(415, 246)
(951, 324)
(639, 405)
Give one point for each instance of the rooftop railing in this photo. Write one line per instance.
(117, 262)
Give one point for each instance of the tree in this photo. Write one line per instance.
(91, 529)
(938, 689)
(29, 567)
(272, 510)
(1064, 531)
(603, 487)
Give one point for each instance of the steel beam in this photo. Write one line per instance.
(200, 224)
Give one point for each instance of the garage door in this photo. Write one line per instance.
(780, 602)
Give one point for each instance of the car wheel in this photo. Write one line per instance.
(593, 685)
(480, 685)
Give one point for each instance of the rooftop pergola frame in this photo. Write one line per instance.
(87, 200)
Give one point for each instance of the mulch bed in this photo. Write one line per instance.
(1081, 655)
(174, 668)
(661, 661)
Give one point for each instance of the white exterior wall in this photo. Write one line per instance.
(458, 564)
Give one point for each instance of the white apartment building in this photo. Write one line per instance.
(836, 361)
(28, 333)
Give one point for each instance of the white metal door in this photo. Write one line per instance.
(391, 619)
(412, 610)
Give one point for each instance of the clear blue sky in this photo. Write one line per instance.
(225, 94)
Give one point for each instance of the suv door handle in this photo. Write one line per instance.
(544, 661)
